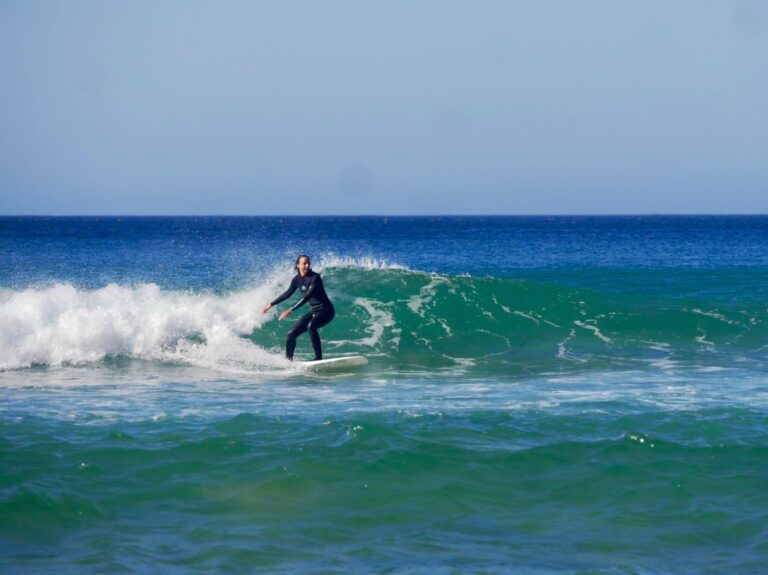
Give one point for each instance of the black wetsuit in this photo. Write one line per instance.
(312, 291)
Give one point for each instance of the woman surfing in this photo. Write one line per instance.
(311, 287)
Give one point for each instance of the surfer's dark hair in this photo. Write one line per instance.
(298, 259)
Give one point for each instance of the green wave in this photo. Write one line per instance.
(416, 321)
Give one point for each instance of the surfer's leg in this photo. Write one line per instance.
(321, 318)
(296, 331)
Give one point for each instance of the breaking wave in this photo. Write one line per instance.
(405, 321)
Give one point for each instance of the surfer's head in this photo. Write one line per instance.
(302, 264)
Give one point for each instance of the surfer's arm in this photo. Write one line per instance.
(284, 296)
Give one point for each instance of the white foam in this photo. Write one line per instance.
(702, 339)
(504, 308)
(595, 330)
(526, 316)
(714, 315)
(562, 349)
(446, 327)
(381, 319)
(665, 364)
(64, 325)
(533, 317)
(425, 296)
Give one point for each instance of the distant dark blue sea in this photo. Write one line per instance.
(544, 395)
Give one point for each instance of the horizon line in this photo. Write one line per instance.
(383, 215)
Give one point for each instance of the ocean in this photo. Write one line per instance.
(544, 395)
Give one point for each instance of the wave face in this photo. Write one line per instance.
(405, 321)
(425, 321)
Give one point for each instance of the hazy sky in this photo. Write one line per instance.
(389, 107)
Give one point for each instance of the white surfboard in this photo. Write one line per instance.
(336, 363)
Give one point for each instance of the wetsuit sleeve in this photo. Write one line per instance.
(316, 283)
(288, 293)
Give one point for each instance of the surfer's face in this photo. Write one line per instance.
(303, 266)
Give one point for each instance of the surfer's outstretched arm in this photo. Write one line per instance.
(287, 293)
(283, 296)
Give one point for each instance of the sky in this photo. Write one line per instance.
(390, 107)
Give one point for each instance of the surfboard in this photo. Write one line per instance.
(336, 363)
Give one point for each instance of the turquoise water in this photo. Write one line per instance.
(544, 395)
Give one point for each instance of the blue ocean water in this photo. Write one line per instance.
(544, 395)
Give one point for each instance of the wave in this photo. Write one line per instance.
(406, 321)
(428, 321)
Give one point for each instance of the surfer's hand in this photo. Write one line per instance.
(267, 308)
(286, 313)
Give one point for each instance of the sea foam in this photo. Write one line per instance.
(64, 325)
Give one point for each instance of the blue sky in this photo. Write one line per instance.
(390, 107)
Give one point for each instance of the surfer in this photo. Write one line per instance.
(311, 287)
